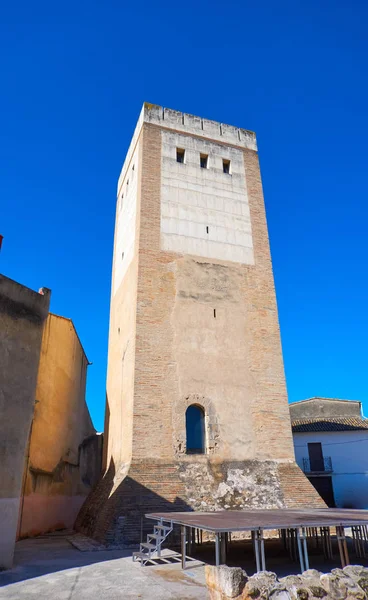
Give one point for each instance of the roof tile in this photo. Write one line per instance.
(329, 424)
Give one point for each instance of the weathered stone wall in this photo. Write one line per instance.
(225, 583)
(63, 462)
(114, 512)
(325, 407)
(22, 316)
(233, 485)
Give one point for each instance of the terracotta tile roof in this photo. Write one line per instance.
(329, 424)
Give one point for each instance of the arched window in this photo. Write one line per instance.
(194, 420)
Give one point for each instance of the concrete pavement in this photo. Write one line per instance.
(50, 568)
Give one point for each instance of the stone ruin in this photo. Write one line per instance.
(225, 583)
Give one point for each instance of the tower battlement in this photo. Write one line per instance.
(180, 121)
(189, 124)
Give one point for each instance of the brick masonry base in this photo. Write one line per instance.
(114, 511)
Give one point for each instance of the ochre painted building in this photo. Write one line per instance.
(22, 316)
(50, 454)
(63, 461)
(193, 323)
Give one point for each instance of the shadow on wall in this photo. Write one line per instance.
(35, 557)
(49, 554)
(51, 500)
(106, 435)
(116, 516)
(114, 512)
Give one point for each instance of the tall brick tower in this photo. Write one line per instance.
(193, 323)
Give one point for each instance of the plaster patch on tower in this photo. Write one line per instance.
(126, 209)
(210, 356)
(204, 211)
(233, 485)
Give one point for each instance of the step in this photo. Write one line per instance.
(149, 546)
(155, 536)
(165, 527)
(136, 555)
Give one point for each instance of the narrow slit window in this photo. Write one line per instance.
(226, 166)
(207, 229)
(180, 155)
(204, 161)
(214, 313)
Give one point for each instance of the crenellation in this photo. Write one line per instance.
(153, 113)
(229, 133)
(248, 138)
(206, 128)
(173, 117)
(193, 123)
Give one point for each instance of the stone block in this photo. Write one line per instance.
(340, 586)
(225, 583)
(228, 582)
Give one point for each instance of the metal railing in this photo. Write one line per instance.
(323, 465)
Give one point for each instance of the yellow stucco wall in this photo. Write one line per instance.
(53, 489)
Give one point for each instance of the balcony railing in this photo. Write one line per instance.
(323, 465)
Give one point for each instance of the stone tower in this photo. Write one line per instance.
(193, 322)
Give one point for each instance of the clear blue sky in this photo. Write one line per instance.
(73, 78)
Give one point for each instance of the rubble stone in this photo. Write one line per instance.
(350, 583)
(229, 581)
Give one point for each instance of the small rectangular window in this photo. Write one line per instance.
(180, 155)
(204, 161)
(226, 166)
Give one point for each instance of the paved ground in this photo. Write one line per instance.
(49, 568)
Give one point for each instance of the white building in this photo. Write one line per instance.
(331, 447)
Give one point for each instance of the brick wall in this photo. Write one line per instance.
(297, 490)
(241, 371)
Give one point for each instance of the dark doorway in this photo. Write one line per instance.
(324, 487)
(316, 456)
(194, 418)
